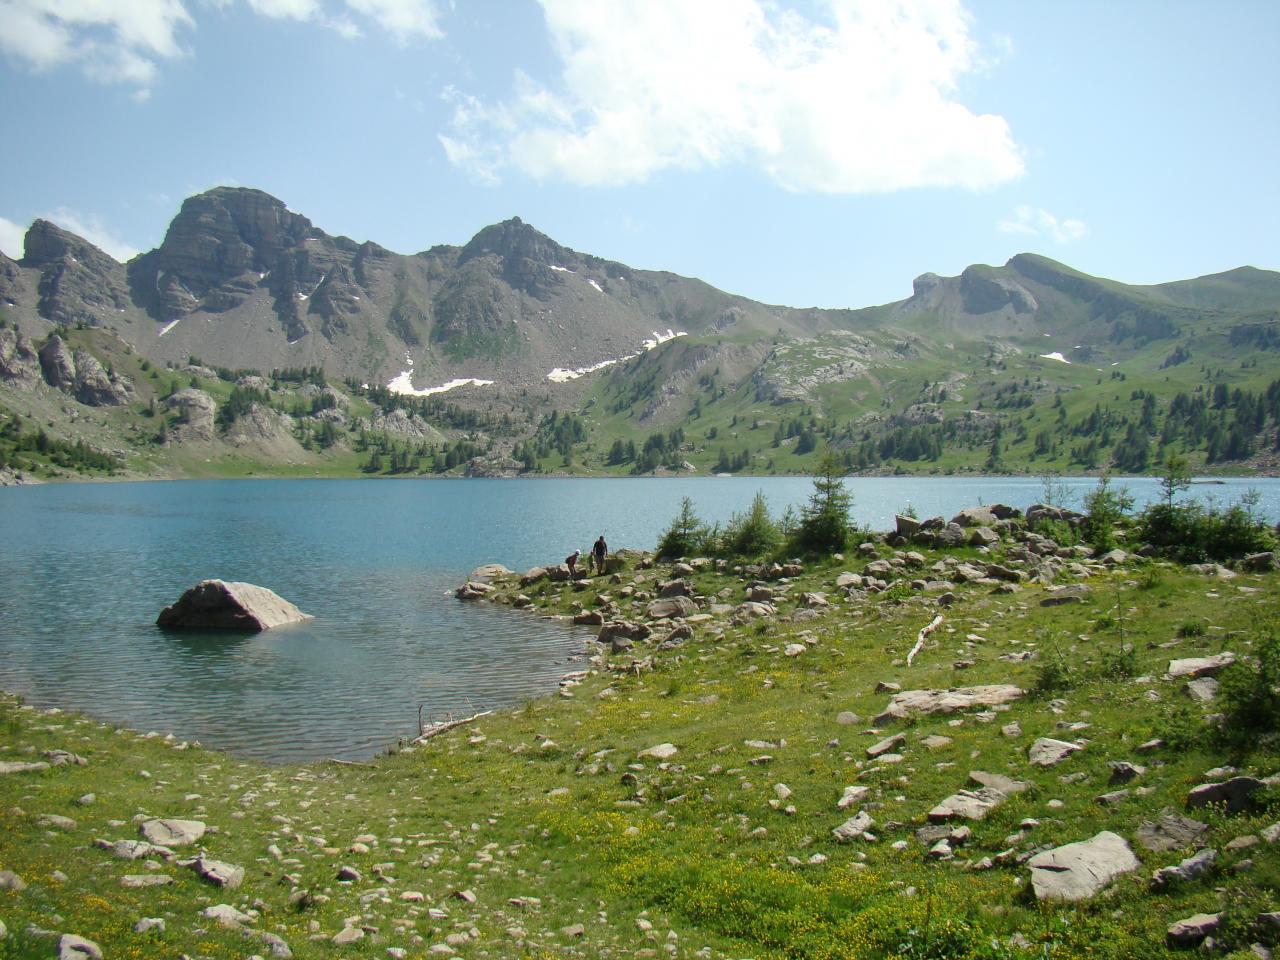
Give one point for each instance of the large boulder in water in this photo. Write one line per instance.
(220, 605)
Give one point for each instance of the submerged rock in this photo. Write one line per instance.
(223, 605)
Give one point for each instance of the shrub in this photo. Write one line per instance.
(1106, 508)
(1194, 533)
(824, 526)
(751, 534)
(1054, 673)
(686, 535)
(1250, 693)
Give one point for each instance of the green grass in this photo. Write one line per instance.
(551, 800)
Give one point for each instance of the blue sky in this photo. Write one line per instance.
(817, 153)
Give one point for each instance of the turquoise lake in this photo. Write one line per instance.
(85, 569)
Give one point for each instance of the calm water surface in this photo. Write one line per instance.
(85, 569)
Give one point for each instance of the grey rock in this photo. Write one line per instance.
(852, 795)
(886, 745)
(348, 935)
(1046, 752)
(72, 947)
(998, 781)
(1259, 562)
(19, 766)
(854, 828)
(217, 872)
(275, 943)
(1193, 930)
(968, 804)
(662, 751)
(223, 605)
(672, 607)
(149, 923)
(1077, 871)
(1122, 771)
(226, 915)
(1170, 832)
(1071, 593)
(678, 587)
(140, 881)
(1235, 794)
(56, 821)
(170, 833)
(62, 758)
(1189, 869)
(1193, 667)
(910, 703)
(975, 517)
(1202, 689)
(11, 881)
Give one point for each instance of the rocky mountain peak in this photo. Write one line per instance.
(515, 240)
(48, 243)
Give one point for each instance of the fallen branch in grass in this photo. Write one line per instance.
(439, 727)
(933, 625)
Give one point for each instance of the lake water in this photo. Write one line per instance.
(85, 569)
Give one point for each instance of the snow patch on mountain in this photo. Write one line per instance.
(560, 375)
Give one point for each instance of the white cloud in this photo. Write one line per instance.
(286, 9)
(12, 237)
(1032, 222)
(403, 19)
(861, 100)
(125, 41)
(95, 231)
(112, 42)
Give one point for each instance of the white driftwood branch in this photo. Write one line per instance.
(433, 729)
(933, 625)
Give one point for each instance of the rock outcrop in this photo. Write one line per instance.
(222, 605)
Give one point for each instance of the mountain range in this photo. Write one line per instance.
(241, 283)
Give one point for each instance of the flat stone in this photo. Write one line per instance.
(1077, 871)
(72, 947)
(1192, 931)
(149, 923)
(1234, 794)
(11, 881)
(662, 751)
(1188, 869)
(139, 881)
(910, 703)
(854, 827)
(19, 766)
(998, 781)
(936, 741)
(56, 821)
(969, 804)
(886, 745)
(348, 935)
(172, 833)
(1057, 596)
(672, 607)
(852, 795)
(228, 605)
(226, 915)
(1193, 667)
(1202, 689)
(220, 874)
(1170, 832)
(1122, 771)
(1046, 751)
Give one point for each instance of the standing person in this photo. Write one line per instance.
(599, 551)
(571, 561)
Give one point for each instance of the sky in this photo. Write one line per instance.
(802, 153)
